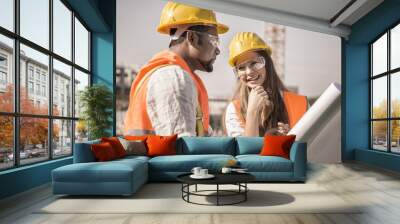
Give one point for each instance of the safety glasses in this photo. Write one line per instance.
(252, 64)
(212, 39)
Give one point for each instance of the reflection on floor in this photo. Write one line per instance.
(377, 188)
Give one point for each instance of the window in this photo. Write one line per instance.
(62, 29)
(34, 21)
(30, 87)
(63, 137)
(3, 78)
(38, 89)
(3, 61)
(81, 81)
(6, 73)
(7, 14)
(43, 77)
(44, 91)
(30, 72)
(54, 125)
(37, 74)
(62, 75)
(3, 71)
(385, 91)
(81, 45)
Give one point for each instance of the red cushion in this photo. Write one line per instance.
(116, 145)
(277, 145)
(161, 145)
(103, 151)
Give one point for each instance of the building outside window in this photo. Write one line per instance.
(59, 133)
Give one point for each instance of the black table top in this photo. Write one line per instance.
(220, 178)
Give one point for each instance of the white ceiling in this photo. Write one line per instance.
(314, 15)
(320, 9)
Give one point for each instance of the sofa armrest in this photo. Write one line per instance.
(298, 155)
(83, 152)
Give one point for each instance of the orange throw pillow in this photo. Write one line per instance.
(161, 145)
(103, 151)
(277, 145)
(116, 145)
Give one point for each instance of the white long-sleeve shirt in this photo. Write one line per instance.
(233, 124)
(172, 101)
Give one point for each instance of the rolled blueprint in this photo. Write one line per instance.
(318, 115)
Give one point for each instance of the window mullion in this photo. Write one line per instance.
(370, 99)
(50, 81)
(73, 82)
(16, 84)
(389, 101)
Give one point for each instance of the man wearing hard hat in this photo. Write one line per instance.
(167, 97)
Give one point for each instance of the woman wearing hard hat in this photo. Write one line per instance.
(261, 103)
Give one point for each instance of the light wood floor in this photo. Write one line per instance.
(379, 189)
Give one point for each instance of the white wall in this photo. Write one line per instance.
(313, 61)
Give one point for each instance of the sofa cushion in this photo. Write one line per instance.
(132, 159)
(277, 145)
(111, 171)
(257, 163)
(116, 145)
(134, 147)
(83, 152)
(206, 145)
(185, 163)
(103, 152)
(161, 145)
(249, 145)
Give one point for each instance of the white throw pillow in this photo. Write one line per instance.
(134, 147)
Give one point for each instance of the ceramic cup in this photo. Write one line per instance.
(203, 172)
(196, 170)
(226, 170)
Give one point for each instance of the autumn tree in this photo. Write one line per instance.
(32, 130)
(380, 127)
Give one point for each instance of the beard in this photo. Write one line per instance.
(207, 65)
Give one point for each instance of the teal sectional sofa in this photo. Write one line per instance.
(125, 176)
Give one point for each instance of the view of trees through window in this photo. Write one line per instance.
(385, 91)
(39, 88)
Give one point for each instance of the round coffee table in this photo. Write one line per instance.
(238, 179)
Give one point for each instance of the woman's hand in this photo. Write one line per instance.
(283, 129)
(258, 98)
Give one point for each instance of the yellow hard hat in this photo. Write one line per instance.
(243, 42)
(176, 14)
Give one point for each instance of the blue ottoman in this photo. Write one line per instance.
(118, 177)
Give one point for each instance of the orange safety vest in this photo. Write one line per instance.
(296, 106)
(137, 121)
